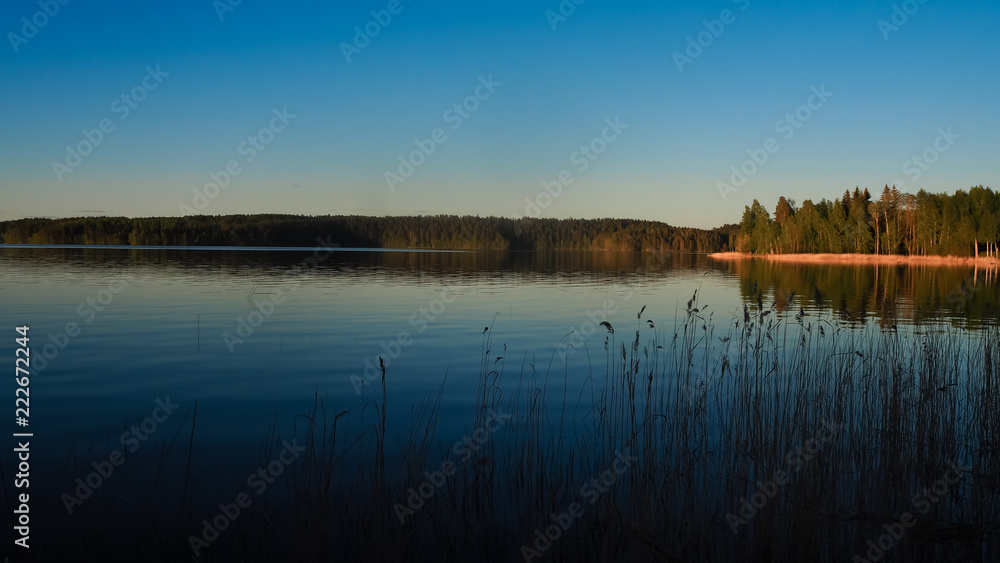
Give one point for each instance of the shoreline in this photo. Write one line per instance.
(862, 259)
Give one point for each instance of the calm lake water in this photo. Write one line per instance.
(254, 335)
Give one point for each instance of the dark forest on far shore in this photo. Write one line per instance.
(442, 232)
(956, 224)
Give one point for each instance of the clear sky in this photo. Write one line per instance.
(199, 77)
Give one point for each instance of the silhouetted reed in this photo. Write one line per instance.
(774, 437)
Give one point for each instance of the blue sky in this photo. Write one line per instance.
(219, 80)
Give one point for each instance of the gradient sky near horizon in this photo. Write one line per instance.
(894, 88)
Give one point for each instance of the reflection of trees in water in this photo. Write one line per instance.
(856, 294)
(402, 266)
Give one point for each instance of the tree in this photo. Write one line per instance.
(810, 222)
(890, 203)
(783, 211)
(744, 241)
(986, 206)
(859, 226)
(875, 212)
(764, 236)
(929, 222)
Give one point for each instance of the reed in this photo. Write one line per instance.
(859, 421)
(710, 416)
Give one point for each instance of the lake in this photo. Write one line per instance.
(125, 342)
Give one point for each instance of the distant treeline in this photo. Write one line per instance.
(443, 232)
(896, 223)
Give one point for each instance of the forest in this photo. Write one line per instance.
(443, 232)
(959, 224)
(896, 223)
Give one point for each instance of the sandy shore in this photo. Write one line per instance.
(890, 259)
